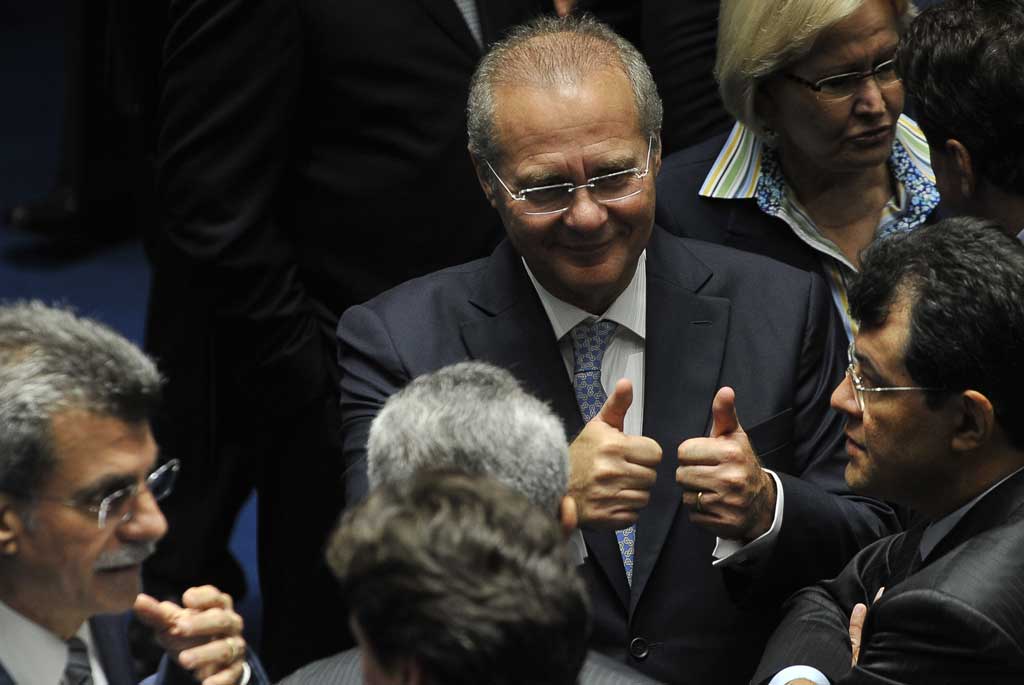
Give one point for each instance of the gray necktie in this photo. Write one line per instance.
(77, 671)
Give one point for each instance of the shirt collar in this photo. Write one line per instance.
(29, 652)
(939, 529)
(629, 309)
(738, 167)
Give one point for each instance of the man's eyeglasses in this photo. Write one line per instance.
(853, 370)
(117, 505)
(606, 188)
(844, 86)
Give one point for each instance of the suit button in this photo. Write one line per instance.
(638, 648)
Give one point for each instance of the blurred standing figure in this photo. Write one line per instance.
(311, 155)
(820, 161)
(961, 61)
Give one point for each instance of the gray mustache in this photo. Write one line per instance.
(128, 554)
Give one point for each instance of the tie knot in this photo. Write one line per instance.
(589, 342)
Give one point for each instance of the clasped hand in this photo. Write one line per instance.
(204, 635)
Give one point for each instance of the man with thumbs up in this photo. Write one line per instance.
(629, 333)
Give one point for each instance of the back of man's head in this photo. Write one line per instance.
(548, 53)
(52, 361)
(462, 579)
(965, 281)
(961, 62)
(474, 417)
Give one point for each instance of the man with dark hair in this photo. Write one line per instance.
(936, 422)
(649, 349)
(79, 486)
(961, 62)
(455, 579)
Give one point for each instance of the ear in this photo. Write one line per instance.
(961, 158)
(12, 523)
(568, 515)
(656, 154)
(486, 179)
(975, 421)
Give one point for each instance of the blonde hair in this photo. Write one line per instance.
(757, 38)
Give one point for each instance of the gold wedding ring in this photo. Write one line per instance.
(700, 505)
(233, 646)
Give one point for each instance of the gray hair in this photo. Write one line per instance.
(474, 417)
(548, 52)
(758, 38)
(50, 361)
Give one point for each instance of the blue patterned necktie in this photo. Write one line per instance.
(77, 671)
(589, 342)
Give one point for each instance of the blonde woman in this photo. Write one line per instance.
(820, 161)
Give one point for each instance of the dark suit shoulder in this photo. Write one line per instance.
(342, 668)
(599, 669)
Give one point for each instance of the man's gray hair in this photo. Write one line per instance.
(52, 360)
(549, 52)
(474, 417)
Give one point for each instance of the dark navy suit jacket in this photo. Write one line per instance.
(715, 317)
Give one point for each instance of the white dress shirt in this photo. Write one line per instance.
(32, 654)
(624, 358)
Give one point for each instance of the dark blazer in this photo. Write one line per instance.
(714, 317)
(110, 640)
(956, 619)
(311, 155)
(345, 669)
(736, 223)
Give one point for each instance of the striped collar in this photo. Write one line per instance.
(737, 170)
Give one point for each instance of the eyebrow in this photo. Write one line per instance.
(103, 487)
(854, 67)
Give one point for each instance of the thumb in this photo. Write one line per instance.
(613, 412)
(723, 413)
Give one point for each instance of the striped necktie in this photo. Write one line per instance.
(77, 671)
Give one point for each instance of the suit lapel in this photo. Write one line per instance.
(685, 344)
(517, 335)
(993, 509)
(447, 15)
(110, 637)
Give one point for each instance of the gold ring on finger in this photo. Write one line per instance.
(700, 504)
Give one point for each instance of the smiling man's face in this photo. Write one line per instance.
(587, 254)
(60, 568)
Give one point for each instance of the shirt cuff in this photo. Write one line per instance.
(732, 552)
(247, 673)
(795, 672)
(577, 547)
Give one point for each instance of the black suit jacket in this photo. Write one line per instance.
(345, 669)
(311, 155)
(958, 618)
(714, 317)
